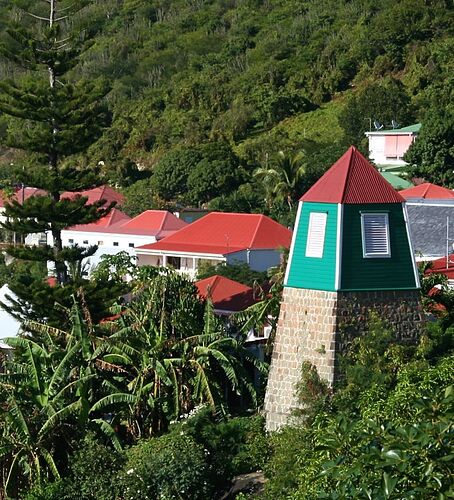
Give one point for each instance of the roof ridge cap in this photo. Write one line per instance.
(251, 243)
(347, 177)
(163, 220)
(426, 189)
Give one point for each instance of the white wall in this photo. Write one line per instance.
(377, 152)
(101, 239)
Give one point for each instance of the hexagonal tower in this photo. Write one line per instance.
(350, 254)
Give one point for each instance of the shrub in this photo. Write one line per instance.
(92, 473)
(167, 467)
(233, 446)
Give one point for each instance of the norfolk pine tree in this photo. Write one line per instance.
(52, 118)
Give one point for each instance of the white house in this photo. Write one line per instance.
(387, 147)
(117, 231)
(219, 237)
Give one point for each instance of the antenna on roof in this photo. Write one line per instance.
(378, 125)
(394, 124)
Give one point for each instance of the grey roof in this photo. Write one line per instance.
(428, 228)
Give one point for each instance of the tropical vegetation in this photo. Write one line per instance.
(122, 384)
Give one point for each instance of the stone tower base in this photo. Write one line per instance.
(316, 326)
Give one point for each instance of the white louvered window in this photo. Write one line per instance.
(375, 232)
(316, 234)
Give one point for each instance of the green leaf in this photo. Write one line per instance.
(393, 454)
(389, 483)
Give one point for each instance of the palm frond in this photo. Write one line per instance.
(109, 432)
(118, 398)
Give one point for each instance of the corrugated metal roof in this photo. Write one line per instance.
(158, 223)
(153, 220)
(396, 181)
(113, 219)
(226, 294)
(443, 265)
(410, 129)
(98, 193)
(93, 195)
(352, 180)
(224, 233)
(427, 191)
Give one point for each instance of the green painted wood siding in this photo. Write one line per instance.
(389, 273)
(313, 272)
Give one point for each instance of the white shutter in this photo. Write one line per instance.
(316, 234)
(375, 232)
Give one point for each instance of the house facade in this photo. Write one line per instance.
(118, 231)
(387, 147)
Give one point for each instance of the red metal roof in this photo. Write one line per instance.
(95, 194)
(98, 193)
(352, 180)
(154, 221)
(21, 194)
(439, 266)
(113, 219)
(223, 233)
(226, 294)
(158, 223)
(427, 191)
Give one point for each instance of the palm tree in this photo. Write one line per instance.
(173, 353)
(281, 182)
(46, 392)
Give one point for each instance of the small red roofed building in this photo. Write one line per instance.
(220, 237)
(118, 231)
(427, 191)
(230, 297)
(94, 195)
(227, 296)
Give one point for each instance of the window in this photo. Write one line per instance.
(71, 241)
(375, 234)
(174, 262)
(115, 243)
(131, 245)
(316, 234)
(100, 243)
(85, 242)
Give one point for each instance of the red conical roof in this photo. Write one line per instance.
(352, 180)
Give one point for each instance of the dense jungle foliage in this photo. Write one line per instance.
(252, 78)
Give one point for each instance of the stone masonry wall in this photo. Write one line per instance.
(316, 326)
(306, 330)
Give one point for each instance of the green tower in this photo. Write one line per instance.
(351, 254)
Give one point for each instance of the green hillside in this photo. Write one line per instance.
(257, 75)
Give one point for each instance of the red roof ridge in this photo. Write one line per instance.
(426, 189)
(256, 230)
(350, 150)
(164, 220)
